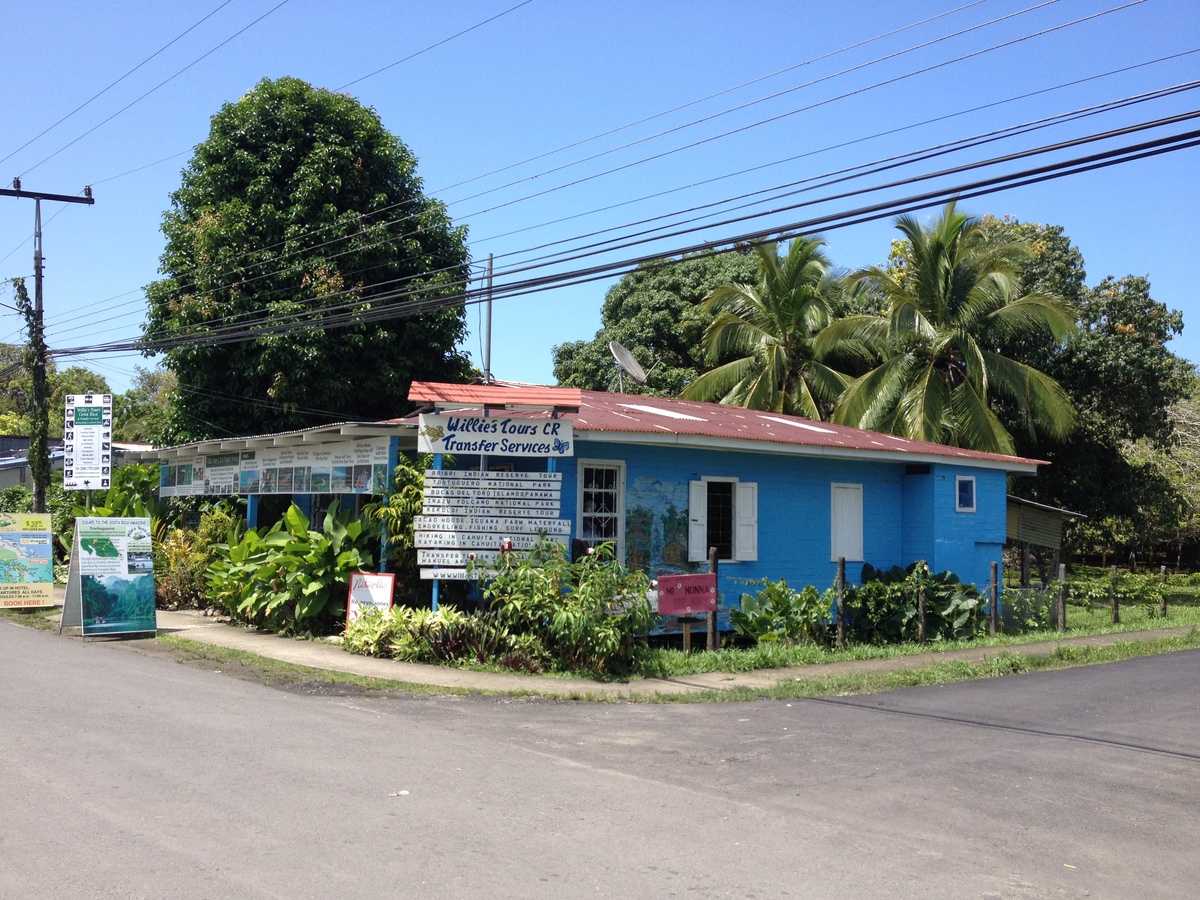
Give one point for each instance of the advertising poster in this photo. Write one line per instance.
(26, 560)
(368, 591)
(87, 442)
(344, 467)
(113, 573)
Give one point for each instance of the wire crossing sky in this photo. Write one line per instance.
(574, 139)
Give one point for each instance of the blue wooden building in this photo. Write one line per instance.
(780, 496)
(664, 479)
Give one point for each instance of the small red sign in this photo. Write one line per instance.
(684, 595)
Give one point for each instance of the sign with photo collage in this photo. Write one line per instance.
(344, 467)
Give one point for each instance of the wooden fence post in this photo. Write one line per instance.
(714, 639)
(841, 602)
(1061, 611)
(994, 593)
(1112, 590)
(1162, 605)
(921, 627)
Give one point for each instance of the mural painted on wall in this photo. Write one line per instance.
(656, 526)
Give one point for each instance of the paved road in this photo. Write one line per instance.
(128, 776)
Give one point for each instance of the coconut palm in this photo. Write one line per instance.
(950, 306)
(769, 327)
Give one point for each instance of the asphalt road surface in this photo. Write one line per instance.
(128, 776)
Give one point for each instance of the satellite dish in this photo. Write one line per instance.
(627, 363)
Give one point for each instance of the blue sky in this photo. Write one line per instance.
(559, 119)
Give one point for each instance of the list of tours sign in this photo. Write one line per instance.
(87, 442)
(470, 516)
(343, 467)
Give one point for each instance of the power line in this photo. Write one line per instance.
(166, 81)
(576, 276)
(825, 181)
(435, 46)
(113, 84)
(910, 49)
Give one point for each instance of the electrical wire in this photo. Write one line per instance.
(835, 220)
(743, 106)
(857, 171)
(161, 84)
(113, 84)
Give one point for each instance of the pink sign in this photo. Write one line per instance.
(683, 595)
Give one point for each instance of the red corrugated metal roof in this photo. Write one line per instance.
(524, 397)
(715, 424)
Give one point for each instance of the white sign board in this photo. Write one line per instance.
(467, 517)
(340, 467)
(87, 442)
(495, 436)
(368, 591)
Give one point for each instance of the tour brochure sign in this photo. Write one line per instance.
(87, 442)
(26, 560)
(110, 584)
(495, 436)
(368, 591)
(338, 467)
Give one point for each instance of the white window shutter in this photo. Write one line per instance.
(746, 540)
(846, 522)
(697, 521)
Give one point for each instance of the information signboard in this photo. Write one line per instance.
(686, 595)
(26, 560)
(110, 584)
(87, 442)
(367, 591)
(495, 436)
(341, 467)
(468, 516)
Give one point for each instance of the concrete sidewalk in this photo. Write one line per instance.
(331, 657)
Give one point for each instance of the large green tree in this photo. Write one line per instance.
(298, 210)
(951, 304)
(140, 413)
(769, 329)
(654, 311)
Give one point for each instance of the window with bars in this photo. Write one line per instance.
(602, 503)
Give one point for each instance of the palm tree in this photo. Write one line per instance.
(949, 308)
(769, 328)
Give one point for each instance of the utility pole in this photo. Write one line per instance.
(487, 328)
(39, 442)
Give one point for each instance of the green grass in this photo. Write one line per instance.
(277, 673)
(665, 663)
(949, 672)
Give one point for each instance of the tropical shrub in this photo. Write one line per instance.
(777, 612)
(590, 615)
(445, 636)
(885, 608)
(291, 578)
(182, 559)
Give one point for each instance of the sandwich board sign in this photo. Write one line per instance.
(110, 583)
(368, 591)
(26, 560)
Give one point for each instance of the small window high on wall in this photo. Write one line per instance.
(964, 493)
(722, 513)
